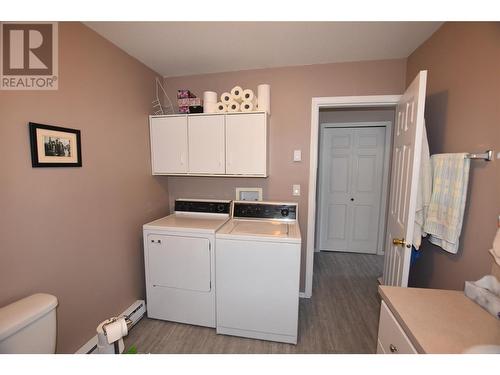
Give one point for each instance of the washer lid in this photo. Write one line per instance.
(261, 228)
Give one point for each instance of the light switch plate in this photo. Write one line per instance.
(297, 155)
(296, 190)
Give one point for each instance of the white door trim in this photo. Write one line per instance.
(385, 171)
(316, 104)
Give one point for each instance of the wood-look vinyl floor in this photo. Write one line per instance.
(341, 317)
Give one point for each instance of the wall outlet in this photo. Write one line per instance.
(297, 155)
(296, 190)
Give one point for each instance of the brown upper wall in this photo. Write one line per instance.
(292, 89)
(463, 115)
(76, 232)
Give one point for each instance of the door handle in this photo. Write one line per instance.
(397, 241)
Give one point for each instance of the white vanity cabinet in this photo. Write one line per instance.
(209, 144)
(391, 337)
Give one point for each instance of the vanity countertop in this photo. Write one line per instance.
(441, 321)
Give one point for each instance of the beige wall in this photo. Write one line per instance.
(462, 114)
(291, 91)
(76, 232)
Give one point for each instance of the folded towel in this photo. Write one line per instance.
(450, 176)
(423, 193)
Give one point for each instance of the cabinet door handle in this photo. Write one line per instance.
(393, 349)
(157, 241)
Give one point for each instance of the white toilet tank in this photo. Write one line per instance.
(29, 325)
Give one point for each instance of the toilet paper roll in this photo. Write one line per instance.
(248, 95)
(116, 330)
(220, 108)
(209, 97)
(248, 105)
(209, 107)
(236, 94)
(225, 97)
(264, 98)
(233, 106)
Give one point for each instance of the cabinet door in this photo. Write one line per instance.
(169, 144)
(246, 144)
(206, 144)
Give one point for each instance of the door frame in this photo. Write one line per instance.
(385, 171)
(316, 104)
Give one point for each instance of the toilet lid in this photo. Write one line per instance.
(19, 314)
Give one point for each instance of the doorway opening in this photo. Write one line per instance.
(356, 135)
(354, 153)
(354, 149)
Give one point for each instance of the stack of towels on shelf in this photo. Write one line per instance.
(239, 100)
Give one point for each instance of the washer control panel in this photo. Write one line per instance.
(265, 210)
(208, 206)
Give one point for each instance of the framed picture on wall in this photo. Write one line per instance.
(53, 146)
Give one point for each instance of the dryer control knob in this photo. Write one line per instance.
(284, 212)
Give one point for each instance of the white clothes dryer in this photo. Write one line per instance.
(179, 261)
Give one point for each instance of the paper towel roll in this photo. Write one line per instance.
(116, 330)
(209, 107)
(248, 95)
(220, 107)
(248, 105)
(209, 97)
(236, 94)
(225, 97)
(233, 106)
(264, 98)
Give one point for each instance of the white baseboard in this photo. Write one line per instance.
(136, 312)
(303, 295)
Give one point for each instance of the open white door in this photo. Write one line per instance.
(406, 153)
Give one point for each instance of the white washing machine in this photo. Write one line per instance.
(258, 272)
(179, 261)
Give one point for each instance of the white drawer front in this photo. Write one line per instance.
(391, 337)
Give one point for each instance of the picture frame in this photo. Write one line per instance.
(54, 146)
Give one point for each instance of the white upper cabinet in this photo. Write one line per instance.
(246, 144)
(210, 144)
(169, 144)
(206, 144)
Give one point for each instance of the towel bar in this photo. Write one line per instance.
(488, 156)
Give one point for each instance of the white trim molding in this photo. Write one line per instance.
(316, 105)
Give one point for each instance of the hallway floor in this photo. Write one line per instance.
(342, 317)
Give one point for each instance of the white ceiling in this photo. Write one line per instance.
(185, 48)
